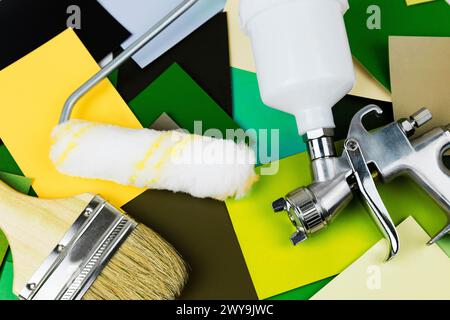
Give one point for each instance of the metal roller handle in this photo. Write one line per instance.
(124, 56)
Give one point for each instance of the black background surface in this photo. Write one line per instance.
(27, 24)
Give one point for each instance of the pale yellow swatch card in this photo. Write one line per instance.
(420, 77)
(33, 92)
(241, 56)
(419, 272)
(412, 2)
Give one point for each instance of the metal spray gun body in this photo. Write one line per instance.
(304, 66)
(388, 153)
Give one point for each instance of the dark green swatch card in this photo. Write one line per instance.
(178, 95)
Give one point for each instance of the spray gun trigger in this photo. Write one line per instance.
(369, 192)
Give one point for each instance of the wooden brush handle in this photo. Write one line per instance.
(34, 227)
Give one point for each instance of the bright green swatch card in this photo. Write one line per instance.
(370, 23)
(250, 112)
(6, 281)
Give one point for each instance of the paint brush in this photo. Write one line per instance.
(84, 248)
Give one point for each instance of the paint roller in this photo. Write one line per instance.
(204, 167)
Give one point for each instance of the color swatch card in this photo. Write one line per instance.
(277, 266)
(201, 231)
(34, 90)
(370, 23)
(242, 58)
(413, 2)
(27, 24)
(6, 282)
(7, 162)
(178, 95)
(138, 16)
(420, 75)
(419, 272)
(204, 55)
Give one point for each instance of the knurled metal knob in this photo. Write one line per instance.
(421, 117)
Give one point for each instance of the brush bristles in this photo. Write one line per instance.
(145, 267)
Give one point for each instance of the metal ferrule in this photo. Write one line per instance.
(323, 153)
(80, 256)
(320, 143)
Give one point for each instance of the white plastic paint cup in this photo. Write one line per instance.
(302, 56)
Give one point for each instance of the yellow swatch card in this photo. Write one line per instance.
(33, 92)
(277, 266)
(419, 272)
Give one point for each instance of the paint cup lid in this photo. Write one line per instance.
(250, 8)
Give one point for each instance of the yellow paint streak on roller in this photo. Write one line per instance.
(171, 151)
(73, 143)
(65, 130)
(151, 150)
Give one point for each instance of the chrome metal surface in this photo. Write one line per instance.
(368, 190)
(421, 117)
(320, 143)
(76, 261)
(416, 120)
(327, 169)
(319, 133)
(387, 150)
(124, 56)
(312, 208)
(393, 154)
(322, 147)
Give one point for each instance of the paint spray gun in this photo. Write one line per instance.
(304, 67)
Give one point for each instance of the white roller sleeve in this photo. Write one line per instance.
(201, 166)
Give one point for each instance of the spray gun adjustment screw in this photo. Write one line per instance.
(421, 117)
(416, 120)
(279, 205)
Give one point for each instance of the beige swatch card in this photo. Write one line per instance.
(419, 271)
(420, 77)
